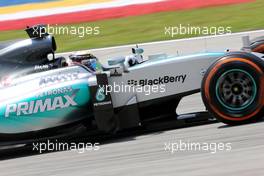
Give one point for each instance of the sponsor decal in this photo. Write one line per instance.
(41, 67)
(63, 90)
(100, 94)
(103, 103)
(42, 105)
(158, 81)
(58, 78)
(101, 97)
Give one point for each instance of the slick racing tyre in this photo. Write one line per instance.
(233, 88)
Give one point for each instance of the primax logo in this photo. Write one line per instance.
(33, 107)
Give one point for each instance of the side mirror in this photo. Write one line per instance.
(138, 51)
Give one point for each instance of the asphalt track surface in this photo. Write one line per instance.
(145, 154)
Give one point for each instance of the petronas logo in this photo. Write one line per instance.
(100, 95)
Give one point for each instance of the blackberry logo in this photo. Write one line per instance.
(132, 82)
(158, 81)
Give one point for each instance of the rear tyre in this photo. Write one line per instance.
(233, 89)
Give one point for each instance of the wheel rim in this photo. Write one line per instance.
(236, 90)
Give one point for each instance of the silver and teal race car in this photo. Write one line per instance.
(42, 94)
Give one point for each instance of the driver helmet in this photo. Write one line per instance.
(85, 58)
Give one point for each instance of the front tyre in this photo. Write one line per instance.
(233, 88)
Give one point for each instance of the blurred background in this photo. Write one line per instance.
(118, 22)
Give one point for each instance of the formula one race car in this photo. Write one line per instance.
(39, 93)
